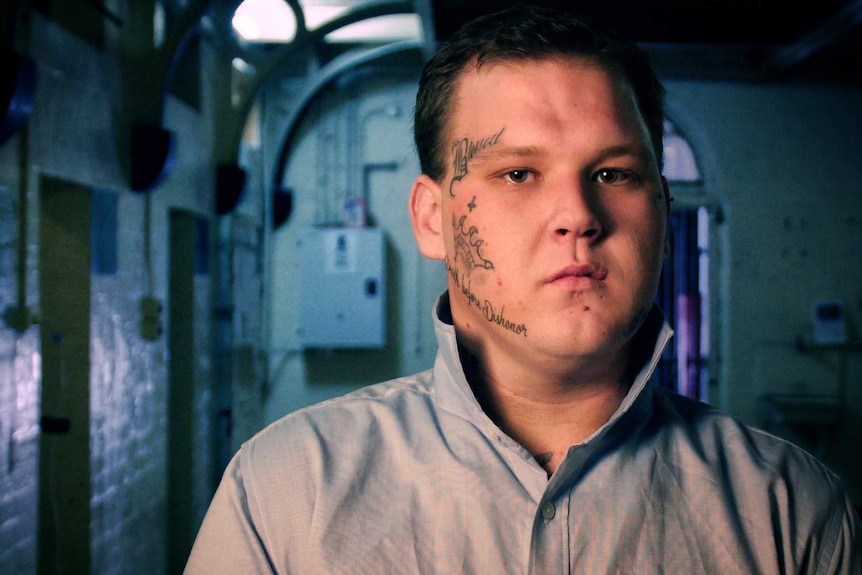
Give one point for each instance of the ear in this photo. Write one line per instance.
(426, 215)
(667, 201)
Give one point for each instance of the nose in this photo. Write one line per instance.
(576, 214)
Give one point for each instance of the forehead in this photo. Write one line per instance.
(523, 81)
(561, 93)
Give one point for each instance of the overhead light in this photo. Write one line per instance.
(273, 21)
(388, 28)
(264, 21)
(317, 14)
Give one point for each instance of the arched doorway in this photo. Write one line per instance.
(684, 292)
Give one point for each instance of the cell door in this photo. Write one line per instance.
(64, 322)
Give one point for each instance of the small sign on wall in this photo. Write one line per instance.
(354, 212)
(340, 252)
(830, 325)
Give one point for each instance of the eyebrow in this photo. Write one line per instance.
(636, 150)
(496, 153)
(508, 152)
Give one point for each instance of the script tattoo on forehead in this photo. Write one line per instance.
(463, 151)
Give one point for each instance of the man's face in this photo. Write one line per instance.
(553, 213)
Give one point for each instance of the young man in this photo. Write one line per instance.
(535, 444)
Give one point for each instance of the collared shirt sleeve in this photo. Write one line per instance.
(228, 541)
(846, 556)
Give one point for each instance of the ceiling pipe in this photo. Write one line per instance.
(152, 147)
(847, 18)
(266, 63)
(326, 74)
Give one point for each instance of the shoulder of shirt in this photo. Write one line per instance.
(362, 404)
(723, 439)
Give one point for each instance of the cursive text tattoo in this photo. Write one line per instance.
(463, 151)
(501, 320)
(468, 246)
(462, 284)
(464, 288)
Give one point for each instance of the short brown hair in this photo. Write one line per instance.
(526, 33)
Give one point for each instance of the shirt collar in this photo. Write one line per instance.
(454, 393)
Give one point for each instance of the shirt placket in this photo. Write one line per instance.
(549, 550)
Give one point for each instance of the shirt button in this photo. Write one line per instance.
(548, 510)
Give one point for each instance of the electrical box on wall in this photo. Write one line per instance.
(342, 288)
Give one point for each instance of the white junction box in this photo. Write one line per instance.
(342, 288)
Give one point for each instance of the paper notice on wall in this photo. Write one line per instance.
(339, 252)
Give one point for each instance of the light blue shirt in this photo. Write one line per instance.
(410, 476)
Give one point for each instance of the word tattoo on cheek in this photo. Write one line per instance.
(486, 307)
(501, 320)
(463, 150)
(468, 246)
(463, 287)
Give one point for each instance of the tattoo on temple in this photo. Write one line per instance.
(463, 150)
(468, 246)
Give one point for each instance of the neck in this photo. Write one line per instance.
(547, 413)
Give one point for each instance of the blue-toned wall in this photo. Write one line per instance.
(73, 136)
(784, 164)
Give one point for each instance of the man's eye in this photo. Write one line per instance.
(518, 176)
(613, 176)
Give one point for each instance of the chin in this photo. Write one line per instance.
(593, 336)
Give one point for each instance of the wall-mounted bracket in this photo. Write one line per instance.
(152, 156)
(19, 318)
(151, 318)
(17, 87)
(282, 206)
(230, 185)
